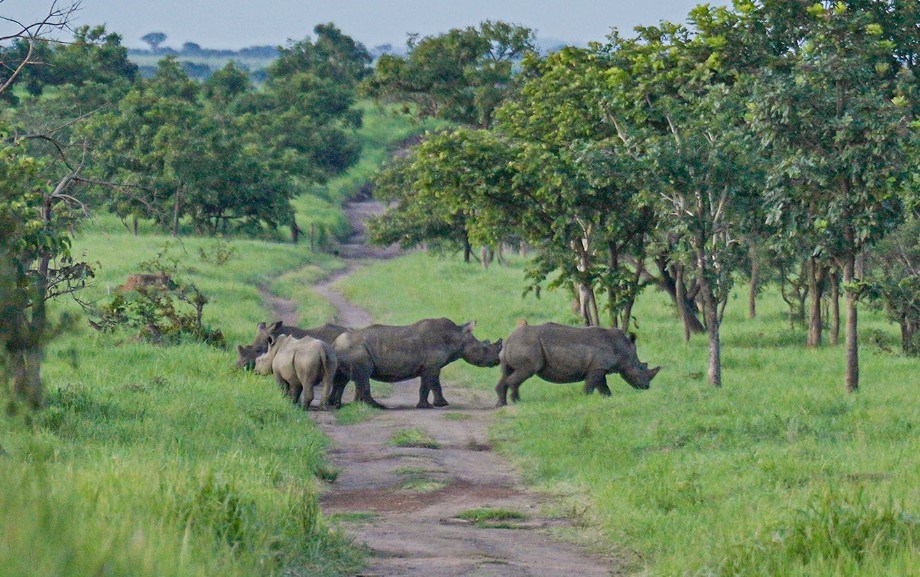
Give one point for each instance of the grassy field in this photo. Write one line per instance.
(167, 460)
(779, 473)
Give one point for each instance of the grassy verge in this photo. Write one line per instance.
(779, 473)
(414, 437)
(167, 460)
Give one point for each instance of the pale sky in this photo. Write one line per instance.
(239, 23)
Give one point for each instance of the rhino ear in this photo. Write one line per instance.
(632, 338)
(239, 348)
(468, 327)
(275, 326)
(261, 326)
(499, 343)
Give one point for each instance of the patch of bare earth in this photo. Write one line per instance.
(415, 494)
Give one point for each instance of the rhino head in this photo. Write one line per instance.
(476, 352)
(633, 371)
(246, 354)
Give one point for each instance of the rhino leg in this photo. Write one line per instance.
(511, 378)
(423, 390)
(597, 380)
(338, 387)
(363, 388)
(435, 386)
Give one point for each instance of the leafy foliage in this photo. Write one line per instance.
(166, 310)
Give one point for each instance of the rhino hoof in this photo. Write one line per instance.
(423, 405)
(441, 403)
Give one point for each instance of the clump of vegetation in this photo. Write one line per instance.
(414, 437)
(832, 530)
(219, 255)
(492, 518)
(161, 305)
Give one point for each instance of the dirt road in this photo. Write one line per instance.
(403, 502)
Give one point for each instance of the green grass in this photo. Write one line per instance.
(167, 460)
(492, 518)
(353, 413)
(457, 416)
(690, 480)
(414, 437)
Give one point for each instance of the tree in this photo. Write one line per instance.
(154, 39)
(334, 56)
(832, 118)
(29, 37)
(461, 75)
(893, 281)
(580, 206)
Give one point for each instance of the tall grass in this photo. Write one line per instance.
(780, 472)
(168, 460)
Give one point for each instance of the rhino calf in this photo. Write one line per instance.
(299, 365)
(247, 354)
(398, 353)
(563, 354)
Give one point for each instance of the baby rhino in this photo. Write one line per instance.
(298, 365)
(562, 354)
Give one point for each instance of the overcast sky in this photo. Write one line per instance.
(240, 23)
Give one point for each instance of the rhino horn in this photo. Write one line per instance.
(653, 372)
(468, 327)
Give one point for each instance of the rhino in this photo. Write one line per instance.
(299, 365)
(398, 353)
(246, 354)
(564, 354)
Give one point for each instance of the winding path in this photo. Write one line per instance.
(402, 502)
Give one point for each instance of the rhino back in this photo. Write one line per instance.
(326, 333)
(566, 354)
(397, 353)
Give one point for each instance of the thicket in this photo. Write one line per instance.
(761, 142)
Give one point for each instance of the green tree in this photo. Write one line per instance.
(832, 118)
(462, 75)
(154, 39)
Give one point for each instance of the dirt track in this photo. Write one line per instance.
(402, 502)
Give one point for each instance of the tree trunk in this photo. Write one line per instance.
(588, 305)
(835, 308)
(710, 312)
(134, 225)
(681, 297)
(467, 250)
(851, 377)
(816, 281)
(755, 280)
(686, 309)
(26, 373)
(908, 330)
(176, 204)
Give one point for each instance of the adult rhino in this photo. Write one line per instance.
(563, 354)
(247, 354)
(398, 353)
(298, 366)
